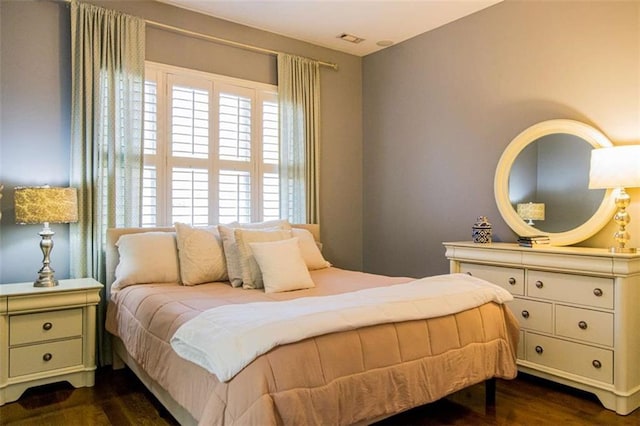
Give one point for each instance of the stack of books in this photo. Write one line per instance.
(533, 240)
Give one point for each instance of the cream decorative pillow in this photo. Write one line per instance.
(200, 254)
(147, 257)
(310, 251)
(251, 276)
(234, 269)
(282, 265)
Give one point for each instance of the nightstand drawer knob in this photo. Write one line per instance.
(47, 357)
(525, 314)
(512, 281)
(597, 292)
(582, 325)
(539, 350)
(47, 326)
(596, 363)
(539, 284)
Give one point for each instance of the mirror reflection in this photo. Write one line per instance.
(553, 173)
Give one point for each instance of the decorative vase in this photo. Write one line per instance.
(481, 231)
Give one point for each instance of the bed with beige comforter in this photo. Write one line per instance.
(346, 377)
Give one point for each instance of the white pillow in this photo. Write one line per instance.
(251, 276)
(232, 256)
(310, 250)
(200, 254)
(147, 257)
(282, 265)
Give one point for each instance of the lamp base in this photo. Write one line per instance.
(45, 274)
(45, 282)
(623, 250)
(45, 277)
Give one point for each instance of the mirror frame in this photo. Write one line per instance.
(602, 215)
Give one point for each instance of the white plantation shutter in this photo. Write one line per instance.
(189, 122)
(211, 149)
(150, 150)
(234, 196)
(149, 196)
(270, 157)
(234, 121)
(190, 195)
(271, 196)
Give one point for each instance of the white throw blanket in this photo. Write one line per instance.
(225, 339)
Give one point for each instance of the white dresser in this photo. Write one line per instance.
(578, 309)
(47, 335)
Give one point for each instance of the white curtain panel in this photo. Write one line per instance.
(107, 54)
(299, 103)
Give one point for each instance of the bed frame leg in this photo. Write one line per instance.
(490, 392)
(116, 362)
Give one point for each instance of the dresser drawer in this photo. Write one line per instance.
(583, 360)
(584, 324)
(44, 357)
(533, 315)
(512, 279)
(575, 289)
(43, 326)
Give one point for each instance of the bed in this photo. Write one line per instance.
(355, 376)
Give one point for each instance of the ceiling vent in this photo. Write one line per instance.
(350, 38)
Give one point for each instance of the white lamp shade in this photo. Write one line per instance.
(615, 167)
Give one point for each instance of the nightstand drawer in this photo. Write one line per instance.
(40, 327)
(533, 315)
(44, 357)
(580, 289)
(584, 324)
(583, 360)
(512, 279)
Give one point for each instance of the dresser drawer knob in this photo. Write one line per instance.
(596, 363)
(47, 326)
(539, 284)
(582, 325)
(512, 281)
(525, 314)
(597, 292)
(539, 350)
(47, 357)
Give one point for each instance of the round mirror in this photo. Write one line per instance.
(541, 183)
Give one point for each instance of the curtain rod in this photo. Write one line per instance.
(219, 40)
(226, 41)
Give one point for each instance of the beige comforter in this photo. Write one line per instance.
(339, 378)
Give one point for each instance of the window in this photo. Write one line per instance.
(211, 148)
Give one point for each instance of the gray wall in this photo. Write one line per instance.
(35, 83)
(439, 109)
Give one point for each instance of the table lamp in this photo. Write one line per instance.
(617, 168)
(530, 212)
(44, 204)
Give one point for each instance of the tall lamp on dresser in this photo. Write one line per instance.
(617, 168)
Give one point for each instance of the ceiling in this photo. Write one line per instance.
(321, 22)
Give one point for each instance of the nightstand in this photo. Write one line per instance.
(47, 335)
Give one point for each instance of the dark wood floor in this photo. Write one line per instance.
(120, 399)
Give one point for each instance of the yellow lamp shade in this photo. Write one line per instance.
(41, 204)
